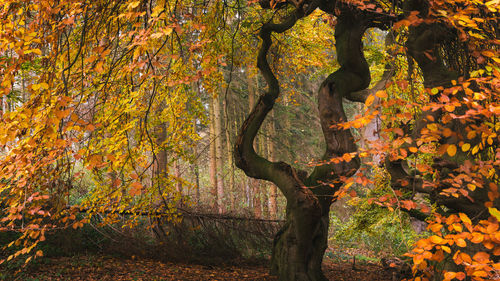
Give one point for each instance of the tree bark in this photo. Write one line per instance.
(273, 190)
(219, 156)
(230, 161)
(195, 169)
(161, 167)
(299, 246)
(253, 184)
(213, 157)
(177, 173)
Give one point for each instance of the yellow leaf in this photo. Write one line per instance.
(457, 227)
(347, 185)
(134, 4)
(465, 147)
(452, 150)
(432, 126)
(465, 218)
(137, 53)
(494, 212)
(475, 149)
(446, 249)
(167, 31)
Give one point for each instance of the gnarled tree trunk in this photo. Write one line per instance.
(300, 245)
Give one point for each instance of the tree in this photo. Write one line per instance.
(108, 112)
(300, 244)
(109, 99)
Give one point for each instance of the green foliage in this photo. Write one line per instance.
(373, 227)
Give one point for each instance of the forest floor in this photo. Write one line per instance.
(91, 267)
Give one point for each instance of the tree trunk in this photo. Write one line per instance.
(300, 245)
(230, 161)
(219, 156)
(213, 157)
(177, 173)
(273, 190)
(196, 170)
(253, 184)
(161, 167)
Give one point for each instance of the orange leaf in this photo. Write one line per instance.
(447, 132)
(460, 242)
(437, 240)
(449, 107)
(381, 94)
(471, 134)
(369, 100)
(460, 276)
(477, 237)
(449, 275)
(135, 189)
(418, 259)
(480, 273)
(466, 258)
(457, 227)
(435, 227)
(481, 257)
(347, 157)
(452, 150)
(496, 252)
(488, 245)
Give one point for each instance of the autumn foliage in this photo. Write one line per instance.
(101, 91)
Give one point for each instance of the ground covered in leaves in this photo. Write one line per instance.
(89, 267)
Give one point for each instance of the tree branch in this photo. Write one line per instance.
(245, 156)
